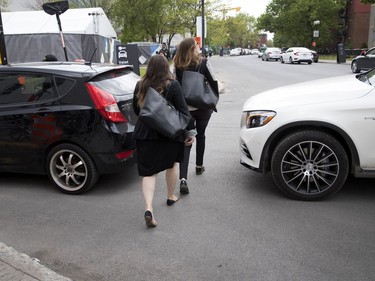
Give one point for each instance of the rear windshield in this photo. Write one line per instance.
(117, 82)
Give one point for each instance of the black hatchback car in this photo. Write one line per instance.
(71, 121)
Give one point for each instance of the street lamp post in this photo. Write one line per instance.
(203, 48)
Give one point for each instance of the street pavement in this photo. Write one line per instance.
(16, 266)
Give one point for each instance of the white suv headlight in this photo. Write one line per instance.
(254, 119)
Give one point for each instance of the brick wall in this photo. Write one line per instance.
(358, 23)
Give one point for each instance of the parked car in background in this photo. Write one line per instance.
(311, 135)
(255, 52)
(246, 51)
(261, 51)
(271, 53)
(235, 52)
(297, 54)
(315, 56)
(71, 121)
(364, 61)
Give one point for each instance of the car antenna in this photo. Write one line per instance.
(90, 62)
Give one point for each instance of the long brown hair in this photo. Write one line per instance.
(157, 76)
(186, 54)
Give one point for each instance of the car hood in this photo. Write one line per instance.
(317, 91)
(359, 56)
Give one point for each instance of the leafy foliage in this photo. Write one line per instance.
(148, 20)
(292, 21)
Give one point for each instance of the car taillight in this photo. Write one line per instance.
(106, 104)
(124, 154)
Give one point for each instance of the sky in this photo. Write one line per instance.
(252, 7)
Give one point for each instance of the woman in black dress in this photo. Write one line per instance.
(156, 153)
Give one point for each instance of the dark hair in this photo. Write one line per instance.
(157, 76)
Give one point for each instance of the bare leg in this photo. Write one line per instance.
(171, 176)
(148, 188)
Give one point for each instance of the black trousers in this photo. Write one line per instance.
(202, 117)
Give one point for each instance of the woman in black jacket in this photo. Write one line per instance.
(156, 153)
(188, 57)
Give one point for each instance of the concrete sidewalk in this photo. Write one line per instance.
(15, 266)
(333, 61)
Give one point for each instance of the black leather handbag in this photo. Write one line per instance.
(162, 116)
(197, 91)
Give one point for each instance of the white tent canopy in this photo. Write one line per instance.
(73, 21)
(88, 35)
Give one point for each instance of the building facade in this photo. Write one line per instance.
(359, 25)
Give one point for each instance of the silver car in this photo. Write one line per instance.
(271, 54)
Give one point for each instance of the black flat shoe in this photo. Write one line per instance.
(149, 220)
(184, 187)
(199, 170)
(170, 202)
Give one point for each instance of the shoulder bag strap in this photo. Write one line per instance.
(167, 89)
(199, 67)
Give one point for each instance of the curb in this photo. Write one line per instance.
(18, 266)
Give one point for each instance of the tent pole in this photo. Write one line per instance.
(61, 36)
(3, 50)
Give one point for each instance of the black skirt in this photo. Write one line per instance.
(154, 156)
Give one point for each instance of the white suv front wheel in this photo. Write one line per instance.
(309, 165)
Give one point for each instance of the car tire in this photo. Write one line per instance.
(309, 165)
(281, 60)
(354, 67)
(290, 60)
(309, 62)
(71, 169)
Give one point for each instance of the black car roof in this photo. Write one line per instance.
(64, 68)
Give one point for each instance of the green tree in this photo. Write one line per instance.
(292, 21)
(238, 31)
(149, 20)
(4, 4)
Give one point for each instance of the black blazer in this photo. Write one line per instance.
(175, 97)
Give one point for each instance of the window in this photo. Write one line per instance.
(25, 88)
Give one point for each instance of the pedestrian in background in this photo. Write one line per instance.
(188, 57)
(156, 153)
(164, 51)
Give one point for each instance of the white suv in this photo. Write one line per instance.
(311, 135)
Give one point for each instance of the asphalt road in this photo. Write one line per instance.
(234, 225)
